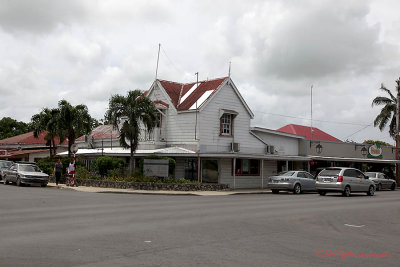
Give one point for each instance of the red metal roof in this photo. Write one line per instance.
(102, 132)
(176, 91)
(306, 132)
(28, 138)
(22, 152)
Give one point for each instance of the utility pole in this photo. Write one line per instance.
(195, 127)
(397, 139)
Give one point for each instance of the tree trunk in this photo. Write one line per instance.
(131, 161)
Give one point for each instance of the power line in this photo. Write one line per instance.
(357, 131)
(308, 119)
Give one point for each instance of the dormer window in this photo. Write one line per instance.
(226, 122)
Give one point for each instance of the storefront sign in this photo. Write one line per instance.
(375, 151)
(155, 167)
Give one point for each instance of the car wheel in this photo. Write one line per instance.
(275, 191)
(393, 187)
(322, 193)
(43, 185)
(5, 180)
(379, 187)
(19, 182)
(297, 189)
(347, 191)
(371, 191)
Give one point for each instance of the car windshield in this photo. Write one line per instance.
(286, 173)
(370, 174)
(5, 164)
(29, 168)
(329, 172)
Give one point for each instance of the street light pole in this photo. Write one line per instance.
(397, 138)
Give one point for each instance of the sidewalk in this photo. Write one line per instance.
(164, 192)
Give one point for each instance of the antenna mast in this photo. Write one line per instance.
(311, 116)
(195, 126)
(229, 73)
(158, 58)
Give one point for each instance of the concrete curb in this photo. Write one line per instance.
(148, 192)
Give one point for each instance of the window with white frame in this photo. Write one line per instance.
(226, 122)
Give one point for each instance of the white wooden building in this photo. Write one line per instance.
(205, 124)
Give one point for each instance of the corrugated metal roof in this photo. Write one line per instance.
(184, 96)
(102, 132)
(28, 138)
(305, 131)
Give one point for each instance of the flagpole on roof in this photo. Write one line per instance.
(311, 115)
(158, 58)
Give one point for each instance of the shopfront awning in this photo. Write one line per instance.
(383, 161)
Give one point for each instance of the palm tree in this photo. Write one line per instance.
(74, 121)
(389, 110)
(127, 114)
(47, 120)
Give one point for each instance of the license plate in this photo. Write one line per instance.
(327, 180)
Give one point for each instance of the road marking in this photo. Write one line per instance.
(147, 241)
(351, 225)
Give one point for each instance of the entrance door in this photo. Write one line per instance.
(209, 171)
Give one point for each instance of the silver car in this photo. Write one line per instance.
(381, 181)
(23, 173)
(295, 181)
(344, 180)
(4, 164)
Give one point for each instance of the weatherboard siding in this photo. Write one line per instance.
(209, 124)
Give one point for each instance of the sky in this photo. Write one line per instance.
(85, 51)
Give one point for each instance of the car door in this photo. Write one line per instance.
(363, 180)
(12, 174)
(302, 179)
(310, 180)
(350, 178)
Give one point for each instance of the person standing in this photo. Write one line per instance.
(57, 170)
(71, 172)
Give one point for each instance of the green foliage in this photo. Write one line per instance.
(82, 172)
(171, 164)
(46, 165)
(137, 109)
(10, 127)
(373, 142)
(105, 164)
(388, 112)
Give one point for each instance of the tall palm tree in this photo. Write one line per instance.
(74, 121)
(135, 110)
(47, 120)
(389, 109)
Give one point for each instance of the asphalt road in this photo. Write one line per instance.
(53, 227)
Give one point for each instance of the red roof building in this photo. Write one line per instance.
(184, 96)
(29, 139)
(305, 131)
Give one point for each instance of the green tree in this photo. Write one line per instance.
(128, 114)
(10, 127)
(47, 120)
(389, 109)
(373, 142)
(74, 122)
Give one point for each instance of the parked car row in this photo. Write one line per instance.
(332, 179)
(23, 173)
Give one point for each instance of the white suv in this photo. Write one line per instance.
(344, 180)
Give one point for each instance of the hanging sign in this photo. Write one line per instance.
(375, 151)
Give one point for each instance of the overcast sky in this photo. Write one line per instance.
(86, 51)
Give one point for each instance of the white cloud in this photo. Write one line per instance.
(85, 51)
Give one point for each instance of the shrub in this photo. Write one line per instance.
(82, 173)
(105, 164)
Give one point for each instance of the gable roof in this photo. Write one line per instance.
(305, 131)
(28, 138)
(184, 96)
(102, 132)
